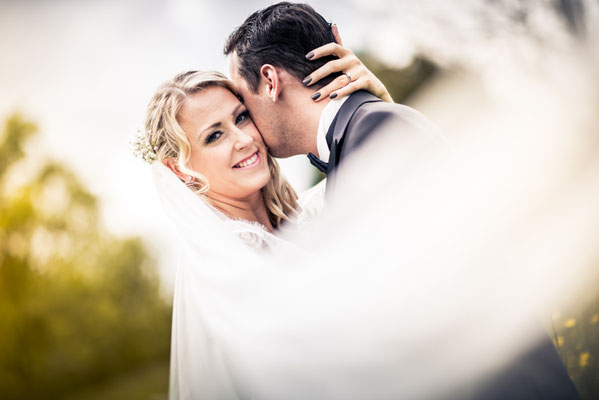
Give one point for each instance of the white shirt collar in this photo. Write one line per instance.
(326, 119)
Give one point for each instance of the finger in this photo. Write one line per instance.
(327, 50)
(336, 84)
(349, 63)
(347, 89)
(326, 70)
(336, 34)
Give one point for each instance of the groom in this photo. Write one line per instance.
(268, 65)
(269, 61)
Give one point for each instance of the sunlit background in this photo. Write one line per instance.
(86, 255)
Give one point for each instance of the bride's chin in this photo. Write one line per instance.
(264, 177)
(258, 185)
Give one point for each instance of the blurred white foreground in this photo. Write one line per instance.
(429, 269)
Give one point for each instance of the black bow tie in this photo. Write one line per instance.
(318, 163)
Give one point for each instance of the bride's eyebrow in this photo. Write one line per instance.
(214, 125)
(217, 124)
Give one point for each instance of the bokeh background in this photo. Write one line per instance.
(87, 258)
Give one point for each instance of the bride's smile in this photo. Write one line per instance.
(249, 162)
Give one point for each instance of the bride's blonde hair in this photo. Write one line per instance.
(170, 141)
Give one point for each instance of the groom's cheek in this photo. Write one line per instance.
(263, 139)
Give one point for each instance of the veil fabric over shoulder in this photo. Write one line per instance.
(415, 279)
(215, 257)
(195, 360)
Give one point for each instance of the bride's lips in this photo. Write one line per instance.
(249, 162)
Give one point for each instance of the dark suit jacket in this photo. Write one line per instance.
(362, 115)
(538, 374)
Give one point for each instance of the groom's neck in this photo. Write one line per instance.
(304, 116)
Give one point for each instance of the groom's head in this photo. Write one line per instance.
(268, 63)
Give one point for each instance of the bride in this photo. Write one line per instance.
(230, 202)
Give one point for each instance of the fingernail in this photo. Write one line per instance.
(333, 95)
(310, 55)
(307, 80)
(315, 96)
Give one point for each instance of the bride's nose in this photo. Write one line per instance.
(242, 140)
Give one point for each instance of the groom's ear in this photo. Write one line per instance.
(270, 80)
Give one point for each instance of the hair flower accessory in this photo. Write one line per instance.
(142, 147)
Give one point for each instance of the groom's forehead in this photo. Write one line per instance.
(236, 77)
(233, 67)
(240, 83)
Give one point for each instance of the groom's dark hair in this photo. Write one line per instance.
(281, 35)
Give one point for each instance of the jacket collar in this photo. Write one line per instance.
(346, 112)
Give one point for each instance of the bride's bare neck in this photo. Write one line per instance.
(251, 208)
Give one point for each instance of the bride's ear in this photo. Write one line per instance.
(171, 164)
(269, 78)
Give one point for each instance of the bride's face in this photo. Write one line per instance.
(226, 146)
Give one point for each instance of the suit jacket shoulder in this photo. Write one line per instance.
(363, 115)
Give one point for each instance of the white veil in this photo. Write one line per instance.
(421, 275)
(212, 262)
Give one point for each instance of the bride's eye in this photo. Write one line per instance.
(242, 117)
(213, 136)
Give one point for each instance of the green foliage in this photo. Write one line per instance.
(77, 306)
(16, 131)
(576, 335)
(401, 82)
(147, 383)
